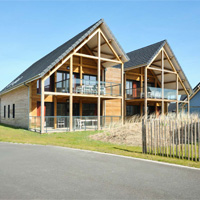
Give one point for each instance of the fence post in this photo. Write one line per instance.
(198, 128)
(155, 136)
(182, 139)
(195, 140)
(151, 136)
(144, 136)
(170, 139)
(192, 139)
(165, 139)
(185, 131)
(160, 142)
(179, 140)
(188, 140)
(173, 123)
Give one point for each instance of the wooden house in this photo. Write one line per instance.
(90, 82)
(154, 79)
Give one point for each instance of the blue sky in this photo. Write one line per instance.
(31, 29)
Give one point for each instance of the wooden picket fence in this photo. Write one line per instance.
(178, 138)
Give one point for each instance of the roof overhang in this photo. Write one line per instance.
(178, 67)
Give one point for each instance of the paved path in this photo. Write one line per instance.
(47, 172)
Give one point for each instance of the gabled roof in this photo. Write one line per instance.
(143, 56)
(197, 87)
(42, 66)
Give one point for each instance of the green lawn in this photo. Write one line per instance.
(81, 140)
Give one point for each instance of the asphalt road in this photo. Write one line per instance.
(47, 172)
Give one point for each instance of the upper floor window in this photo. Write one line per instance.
(48, 84)
(90, 79)
(62, 84)
(132, 88)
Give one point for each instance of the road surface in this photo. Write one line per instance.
(48, 172)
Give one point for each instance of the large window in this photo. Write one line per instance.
(63, 109)
(49, 109)
(132, 110)
(90, 79)
(89, 109)
(48, 84)
(132, 88)
(62, 84)
(13, 110)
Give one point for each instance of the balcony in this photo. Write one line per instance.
(82, 86)
(152, 93)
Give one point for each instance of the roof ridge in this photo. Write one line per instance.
(147, 46)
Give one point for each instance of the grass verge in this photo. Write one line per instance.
(81, 140)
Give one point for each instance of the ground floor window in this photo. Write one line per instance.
(8, 111)
(150, 110)
(132, 110)
(89, 109)
(63, 109)
(13, 110)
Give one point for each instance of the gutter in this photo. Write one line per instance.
(21, 84)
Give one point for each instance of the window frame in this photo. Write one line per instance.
(8, 111)
(13, 111)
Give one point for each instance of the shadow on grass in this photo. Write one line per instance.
(127, 150)
(13, 127)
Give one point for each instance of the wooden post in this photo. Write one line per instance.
(198, 132)
(173, 123)
(188, 123)
(122, 92)
(162, 82)
(145, 92)
(192, 139)
(55, 101)
(144, 135)
(195, 140)
(99, 79)
(141, 80)
(70, 113)
(42, 119)
(71, 97)
(81, 69)
(185, 131)
(55, 112)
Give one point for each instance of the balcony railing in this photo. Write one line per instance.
(82, 86)
(152, 93)
(62, 86)
(61, 123)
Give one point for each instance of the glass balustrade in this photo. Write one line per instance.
(82, 86)
(152, 93)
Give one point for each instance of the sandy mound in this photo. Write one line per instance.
(128, 134)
